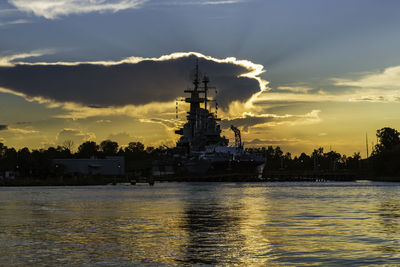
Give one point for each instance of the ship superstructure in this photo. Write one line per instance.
(202, 128)
(201, 148)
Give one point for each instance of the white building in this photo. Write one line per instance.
(107, 166)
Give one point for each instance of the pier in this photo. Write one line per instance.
(268, 176)
(310, 176)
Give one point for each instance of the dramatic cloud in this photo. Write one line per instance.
(6, 61)
(286, 97)
(23, 123)
(133, 81)
(387, 79)
(374, 87)
(124, 138)
(75, 135)
(51, 9)
(250, 120)
(220, 2)
(6, 12)
(196, 2)
(261, 142)
(4, 127)
(103, 121)
(7, 128)
(74, 111)
(359, 95)
(295, 89)
(376, 98)
(13, 22)
(22, 131)
(382, 86)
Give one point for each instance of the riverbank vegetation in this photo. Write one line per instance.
(38, 165)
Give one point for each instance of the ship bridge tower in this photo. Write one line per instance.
(194, 101)
(201, 128)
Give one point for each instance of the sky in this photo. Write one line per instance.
(299, 74)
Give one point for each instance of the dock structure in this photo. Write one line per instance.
(268, 176)
(142, 180)
(231, 177)
(311, 176)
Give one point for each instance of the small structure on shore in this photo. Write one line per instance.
(94, 166)
(8, 175)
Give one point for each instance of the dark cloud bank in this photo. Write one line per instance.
(247, 121)
(126, 83)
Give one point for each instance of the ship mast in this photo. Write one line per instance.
(201, 128)
(194, 101)
(205, 82)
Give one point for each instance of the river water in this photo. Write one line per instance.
(353, 223)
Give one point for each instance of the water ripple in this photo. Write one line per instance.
(201, 224)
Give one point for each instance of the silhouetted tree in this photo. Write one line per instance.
(40, 165)
(386, 155)
(135, 147)
(88, 149)
(135, 151)
(109, 148)
(68, 144)
(317, 156)
(10, 159)
(305, 162)
(60, 152)
(24, 162)
(330, 160)
(150, 150)
(3, 149)
(388, 139)
(353, 163)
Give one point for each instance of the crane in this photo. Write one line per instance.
(238, 139)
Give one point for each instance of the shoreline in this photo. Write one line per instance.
(88, 181)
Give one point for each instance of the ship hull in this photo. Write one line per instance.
(205, 168)
(207, 171)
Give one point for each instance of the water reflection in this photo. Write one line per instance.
(201, 224)
(212, 228)
(389, 220)
(389, 214)
(227, 228)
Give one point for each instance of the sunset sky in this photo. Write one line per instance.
(299, 74)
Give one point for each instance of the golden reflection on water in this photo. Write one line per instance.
(201, 224)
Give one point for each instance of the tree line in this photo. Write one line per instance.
(318, 160)
(39, 162)
(384, 159)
